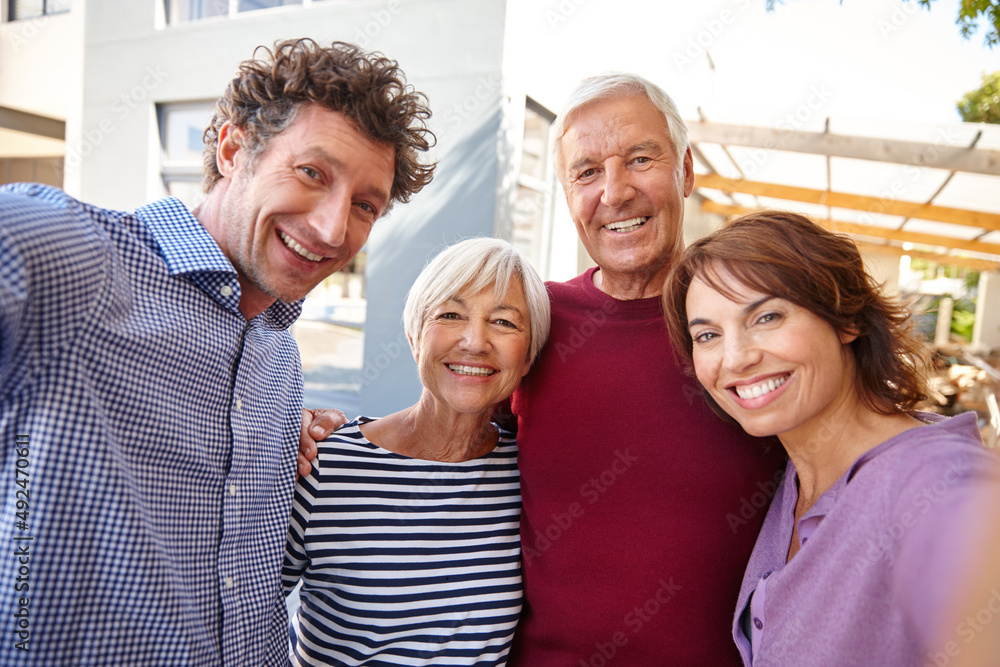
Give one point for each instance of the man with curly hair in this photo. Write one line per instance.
(150, 392)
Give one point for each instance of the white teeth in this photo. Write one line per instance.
(626, 225)
(758, 390)
(294, 245)
(471, 370)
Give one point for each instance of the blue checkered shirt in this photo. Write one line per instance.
(148, 434)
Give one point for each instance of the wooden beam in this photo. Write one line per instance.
(957, 216)
(30, 123)
(947, 260)
(943, 154)
(874, 232)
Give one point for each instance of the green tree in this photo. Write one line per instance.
(982, 105)
(969, 13)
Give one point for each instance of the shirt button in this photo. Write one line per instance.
(239, 403)
(226, 290)
(232, 489)
(229, 582)
(757, 623)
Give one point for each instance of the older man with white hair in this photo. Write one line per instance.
(640, 506)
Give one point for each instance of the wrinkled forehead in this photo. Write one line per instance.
(612, 126)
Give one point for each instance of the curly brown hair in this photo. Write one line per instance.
(368, 88)
(786, 255)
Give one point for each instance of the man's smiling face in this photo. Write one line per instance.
(304, 207)
(625, 185)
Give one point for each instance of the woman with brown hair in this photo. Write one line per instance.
(864, 543)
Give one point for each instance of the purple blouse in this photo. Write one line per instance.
(880, 552)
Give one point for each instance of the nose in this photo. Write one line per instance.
(330, 217)
(740, 353)
(475, 336)
(618, 187)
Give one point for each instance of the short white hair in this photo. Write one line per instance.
(612, 86)
(471, 266)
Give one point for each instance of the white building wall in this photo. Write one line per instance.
(451, 50)
(41, 72)
(40, 63)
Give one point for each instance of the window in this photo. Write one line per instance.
(532, 219)
(179, 11)
(181, 129)
(29, 9)
(189, 10)
(250, 5)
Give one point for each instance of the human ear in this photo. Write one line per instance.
(230, 143)
(413, 349)
(849, 335)
(688, 172)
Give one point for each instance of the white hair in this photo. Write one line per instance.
(617, 85)
(471, 266)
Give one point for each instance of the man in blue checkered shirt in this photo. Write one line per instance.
(150, 393)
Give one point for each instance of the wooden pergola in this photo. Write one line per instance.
(933, 194)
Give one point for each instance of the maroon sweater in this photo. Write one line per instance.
(641, 507)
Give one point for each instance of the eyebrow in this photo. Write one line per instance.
(372, 189)
(750, 307)
(504, 306)
(501, 306)
(642, 147)
(580, 163)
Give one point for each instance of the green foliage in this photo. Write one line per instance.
(982, 105)
(963, 317)
(970, 12)
(962, 322)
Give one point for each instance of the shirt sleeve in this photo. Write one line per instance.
(296, 558)
(53, 262)
(940, 533)
(13, 298)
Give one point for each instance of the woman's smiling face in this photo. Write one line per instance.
(775, 367)
(473, 350)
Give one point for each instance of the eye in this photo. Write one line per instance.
(704, 337)
(505, 323)
(586, 174)
(311, 172)
(642, 159)
(767, 318)
(369, 210)
(449, 315)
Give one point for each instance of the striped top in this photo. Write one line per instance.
(405, 561)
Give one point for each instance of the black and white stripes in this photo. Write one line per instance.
(405, 561)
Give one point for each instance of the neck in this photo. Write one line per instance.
(253, 301)
(630, 286)
(433, 432)
(827, 450)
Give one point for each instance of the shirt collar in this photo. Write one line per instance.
(188, 249)
(185, 244)
(824, 504)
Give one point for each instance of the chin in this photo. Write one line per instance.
(759, 432)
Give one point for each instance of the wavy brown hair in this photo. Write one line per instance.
(368, 88)
(786, 255)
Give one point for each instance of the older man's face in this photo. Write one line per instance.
(625, 185)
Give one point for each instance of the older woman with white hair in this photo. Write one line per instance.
(405, 534)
